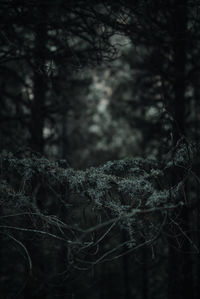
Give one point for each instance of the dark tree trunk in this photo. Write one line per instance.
(144, 273)
(196, 212)
(36, 283)
(126, 272)
(180, 266)
(39, 90)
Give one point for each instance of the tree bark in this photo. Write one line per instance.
(180, 267)
(39, 89)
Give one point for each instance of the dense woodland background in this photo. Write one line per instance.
(99, 143)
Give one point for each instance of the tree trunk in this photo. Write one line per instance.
(180, 266)
(126, 270)
(39, 90)
(36, 286)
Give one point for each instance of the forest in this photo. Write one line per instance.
(99, 149)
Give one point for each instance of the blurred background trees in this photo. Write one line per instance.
(96, 81)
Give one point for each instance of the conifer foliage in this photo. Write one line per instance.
(132, 195)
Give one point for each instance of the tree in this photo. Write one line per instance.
(37, 38)
(164, 34)
(123, 195)
(66, 222)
